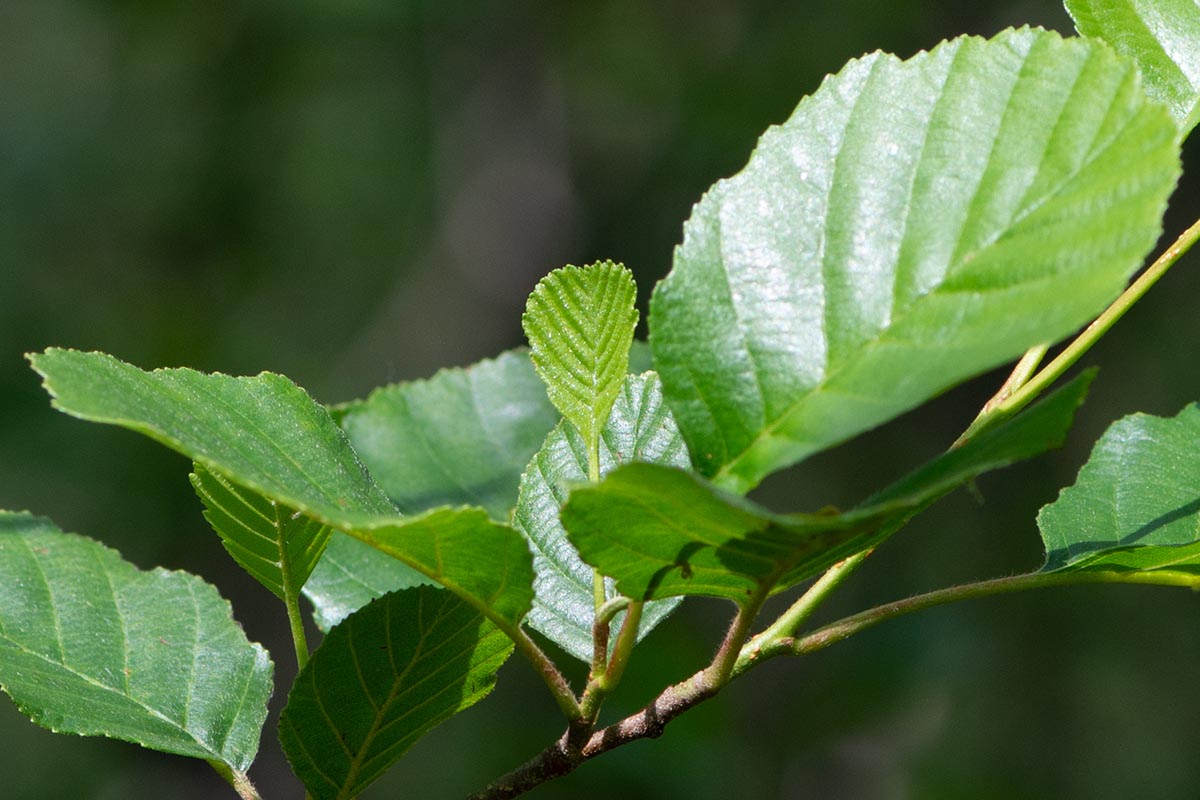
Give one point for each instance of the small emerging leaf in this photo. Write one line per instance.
(91, 645)
(662, 532)
(1136, 503)
(382, 679)
(639, 428)
(277, 546)
(1162, 36)
(580, 322)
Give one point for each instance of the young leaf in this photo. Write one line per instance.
(639, 428)
(266, 434)
(912, 224)
(579, 322)
(1162, 36)
(661, 532)
(1136, 503)
(460, 437)
(91, 645)
(278, 547)
(381, 680)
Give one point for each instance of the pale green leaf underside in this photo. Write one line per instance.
(266, 434)
(351, 574)
(381, 680)
(277, 547)
(1163, 36)
(1136, 502)
(639, 428)
(462, 437)
(662, 532)
(91, 645)
(912, 224)
(580, 322)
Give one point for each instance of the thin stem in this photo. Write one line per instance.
(239, 780)
(845, 628)
(291, 594)
(626, 639)
(1034, 386)
(554, 680)
(719, 671)
(790, 621)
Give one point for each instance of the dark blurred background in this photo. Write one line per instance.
(359, 192)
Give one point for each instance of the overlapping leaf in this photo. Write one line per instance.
(461, 437)
(912, 224)
(579, 322)
(639, 429)
(266, 434)
(1163, 36)
(662, 532)
(277, 546)
(1136, 503)
(91, 645)
(351, 574)
(381, 680)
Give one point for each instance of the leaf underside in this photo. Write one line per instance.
(91, 645)
(639, 428)
(662, 532)
(1162, 36)
(913, 223)
(382, 679)
(1136, 503)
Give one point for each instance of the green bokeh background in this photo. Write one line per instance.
(359, 192)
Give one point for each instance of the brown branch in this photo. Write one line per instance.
(563, 757)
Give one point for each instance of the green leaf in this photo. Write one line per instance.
(639, 428)
(1136, 503)
(266, 434)
(579, 322)
(461, 437)
(351, 574)
(91, 645)
(662, 532)
(1163, 36)
(913, 223)
(381, 680)
(277, 546)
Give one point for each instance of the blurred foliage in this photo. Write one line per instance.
(359, 192)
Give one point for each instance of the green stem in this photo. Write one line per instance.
(1030, 389)
(626, 639)
(554, 680)
(239, 780)
(845, 628)
(790, 621)
(721, 670)
(291, 593)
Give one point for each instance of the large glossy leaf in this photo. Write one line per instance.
(663, 532)
(381, 680)
(579, 322)
(91, 645)
(912, 224)
(1136, 503)
(1163, 36)
(276, 545)
(266, 434)
(640, 429)
(460, 437)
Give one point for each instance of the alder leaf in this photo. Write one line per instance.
(1162, 36)
(461, 437)
(277, 546)
(639, 428)
(1136, 503)
(579, 322)
(913, 223)
(91, 645)
(382, 679)
(352, 573)
(662, 532)
(266, 434)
